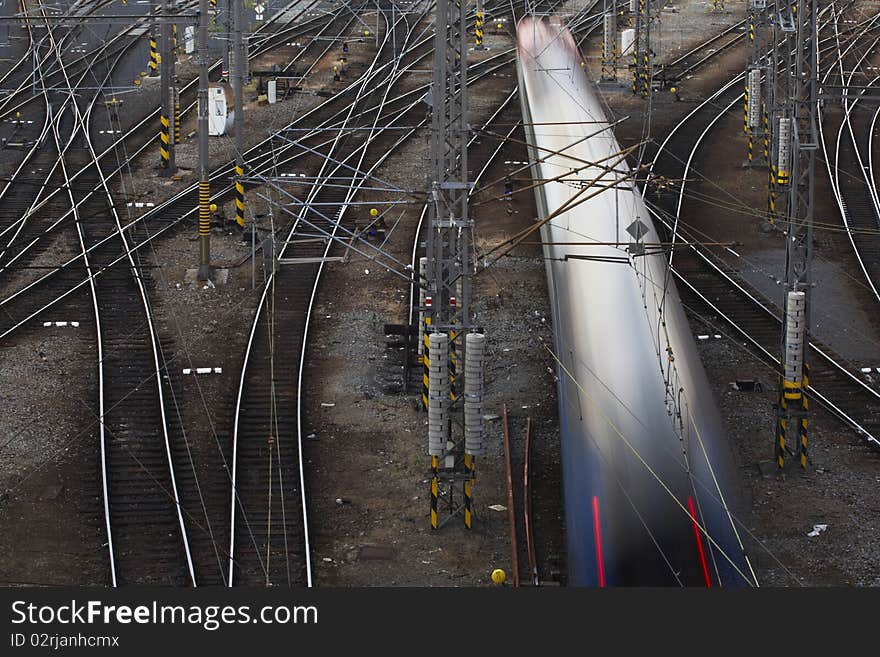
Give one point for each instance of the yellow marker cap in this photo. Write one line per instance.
(213, 207)
(374, 212)
(499, 576)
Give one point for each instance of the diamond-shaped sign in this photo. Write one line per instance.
(637, 229)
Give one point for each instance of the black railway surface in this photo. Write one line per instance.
(145, 528)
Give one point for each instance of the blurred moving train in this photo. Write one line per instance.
(649, 482)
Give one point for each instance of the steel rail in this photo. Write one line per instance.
(235, 501)
(58, 115)
(81, 122)
(83, 119)
(834, 175)
(221, 173)
(833, 407)
(112, 150)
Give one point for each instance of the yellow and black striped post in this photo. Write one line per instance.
(176, 118)
(478, 30)
(164, 138)
(239, 196)
(771, 189)
(635, 75)
(791, 393)
(213, 4)
(780, 434)
(154, 56)
(470, 464)
(174, 38)
(426, 359)
(204, 226)
(805, 406)
(435, 490)
(778, 178)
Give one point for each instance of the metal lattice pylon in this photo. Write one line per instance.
(449, 254)
(802, 108)
(609, 40)
(758, 97)
(642, 11)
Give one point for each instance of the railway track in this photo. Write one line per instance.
(270, 546)
(145, 530)
(707, 282)
(845, 136)
(140, 435)
(263, 157)
(674, 72)
(137, 131)
(259, 554)
(34, 195)
(142, 134)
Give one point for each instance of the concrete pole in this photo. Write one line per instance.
(238, 120)
(204, 185)
(166, 83)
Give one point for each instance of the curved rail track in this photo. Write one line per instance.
(706, 281)
(149, 482)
